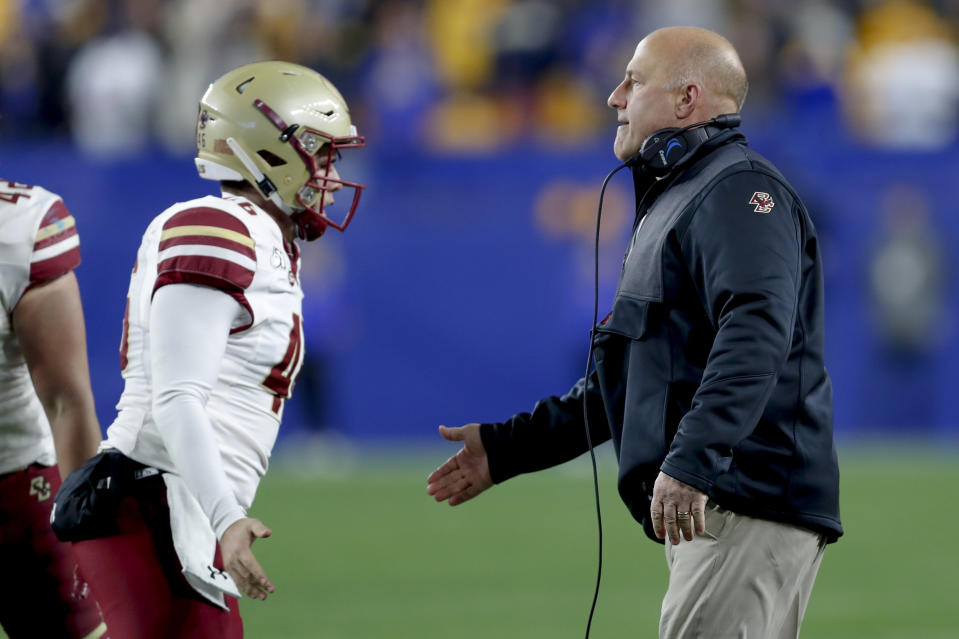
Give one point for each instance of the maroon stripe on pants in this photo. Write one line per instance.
(40, 594)
(136, 576)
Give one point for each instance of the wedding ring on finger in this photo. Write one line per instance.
(681, 516)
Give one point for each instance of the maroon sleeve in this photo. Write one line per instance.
(208, 247)
(56, 248)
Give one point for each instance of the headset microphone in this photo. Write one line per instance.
(728, 120)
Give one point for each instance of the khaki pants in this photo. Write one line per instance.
(745, 578)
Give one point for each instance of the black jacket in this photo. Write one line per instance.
(710, 366)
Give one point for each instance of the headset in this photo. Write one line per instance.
(661, 153)
(666, 149)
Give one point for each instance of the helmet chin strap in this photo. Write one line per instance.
(264, 183)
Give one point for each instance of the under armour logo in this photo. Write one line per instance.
(216, 572)
(40, 487)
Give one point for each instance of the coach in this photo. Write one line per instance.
(709, 374)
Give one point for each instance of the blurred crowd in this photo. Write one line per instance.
(463, 75)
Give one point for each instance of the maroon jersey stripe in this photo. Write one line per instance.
(54, 239)
(54, 267)
(229, 275)
(56, 212)
(205, 216)
(209, 240)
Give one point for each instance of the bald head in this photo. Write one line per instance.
(690, 55)
(678, 76)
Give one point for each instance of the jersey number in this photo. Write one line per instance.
(14, 197)
(282, 376)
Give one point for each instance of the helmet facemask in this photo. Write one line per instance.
(317, 150)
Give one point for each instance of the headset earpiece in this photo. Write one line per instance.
(663, 150)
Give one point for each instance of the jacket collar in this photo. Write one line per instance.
(715, 138)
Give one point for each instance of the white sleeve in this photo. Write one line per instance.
(189, 327)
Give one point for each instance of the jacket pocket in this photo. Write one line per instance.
(630, 318)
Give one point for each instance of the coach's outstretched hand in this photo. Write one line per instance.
(239, 560)
(464, 475)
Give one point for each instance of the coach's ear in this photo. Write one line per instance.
(688, 97)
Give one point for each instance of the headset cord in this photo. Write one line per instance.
(589, 365)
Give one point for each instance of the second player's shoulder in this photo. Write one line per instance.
(38, 236)
(24, 206)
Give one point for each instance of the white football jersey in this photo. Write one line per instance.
(38, 243)
(232, 245)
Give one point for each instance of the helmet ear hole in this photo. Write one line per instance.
(271, 158)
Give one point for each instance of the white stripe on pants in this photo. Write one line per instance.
(746, 578)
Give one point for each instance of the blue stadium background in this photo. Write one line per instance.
(452, 302)
(463, 289)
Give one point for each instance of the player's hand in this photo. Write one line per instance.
(239, 560)
(464, 475)
(671, 497)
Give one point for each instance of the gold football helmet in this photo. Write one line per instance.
(279, 126)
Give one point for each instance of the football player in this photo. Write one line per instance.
(212, 343)
(48, 426)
